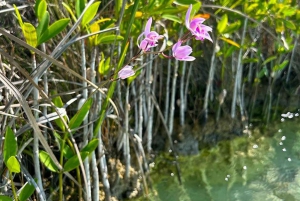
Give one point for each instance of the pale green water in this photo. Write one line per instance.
(259, 166)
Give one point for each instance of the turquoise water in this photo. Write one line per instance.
(258, 166)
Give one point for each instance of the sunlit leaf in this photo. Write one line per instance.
(58, 103)
(73, 162)
(30, 34)
(173, 18)
(231, 42)
(43, 25)
(91, 146)
(289, 11)
(77, 119)
(90, 13)
(10, 144)
(53, 30)
(47, 161)
(104, 66)
(26, 191)
(250, 7)
(42, 8)
(222, 23)
(18, 16)
(92, 29)
(13, 164)
(279, 26)
(107, 39)
(67, 7)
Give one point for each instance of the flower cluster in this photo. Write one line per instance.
(151, 37)
(198, 30)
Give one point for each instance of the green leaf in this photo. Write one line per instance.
(47, 161)
(43, 25)
(30, 34)
(18, 16)
(131, 78)
(92, 29)
(250, 60)
(232, 27)
(77, 119)
(67, 151)
(231, 42)
(37, 2)
(104, 66)
(250, 7)
(280, 66)
(73, 162)
(173, 18)
(53, 30)
(90, 13)
(58, 103)
(5, 198)
(229, 51)
(117, 8)
(13, 164)
(279, 25)
(185, 2)
(10, 144)
(26, 191)
(79, 7)
(288, 12)
(91, 146)
(222, 23)
(69, 10)
(289, 24)
(164, 4)
(42, 8)
(262, 72)
(269, 60)
(108, 39)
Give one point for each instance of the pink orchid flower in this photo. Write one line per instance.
(199, 30)
(151, 37)
(182, 53)
(126, 72)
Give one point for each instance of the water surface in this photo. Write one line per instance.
(261, 165)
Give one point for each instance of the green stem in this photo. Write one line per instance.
(77, 172)
(13, 186)
(61, 161)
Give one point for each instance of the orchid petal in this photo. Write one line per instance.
(126, 72)
(148, 26)
(144, 45)
(182, 53)
(187, 17)
(188, 58)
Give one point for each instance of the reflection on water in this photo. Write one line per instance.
(260, 166)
